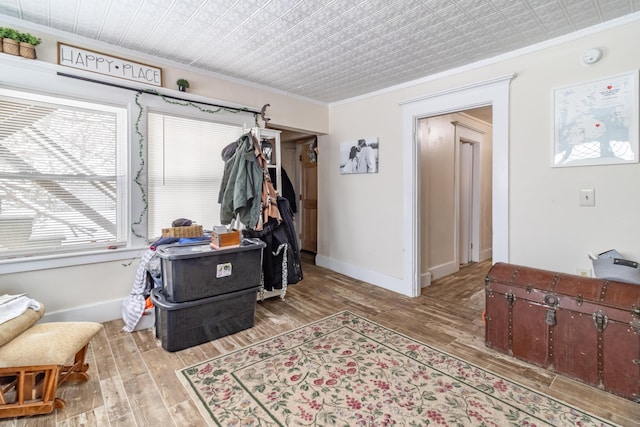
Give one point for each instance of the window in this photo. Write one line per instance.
(62, 175)
(185, 169)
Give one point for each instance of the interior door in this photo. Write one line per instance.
(291, 167)
(468, 141)
(309, 203)
(466, 202)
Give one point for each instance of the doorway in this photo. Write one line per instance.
(309, 197)
(455, 193)
(494, 92)
(299, 158)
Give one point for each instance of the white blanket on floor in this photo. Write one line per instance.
(133, 306)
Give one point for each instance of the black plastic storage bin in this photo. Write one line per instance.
(195, 270)
(187, 324)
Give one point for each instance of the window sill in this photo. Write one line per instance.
(20, 265)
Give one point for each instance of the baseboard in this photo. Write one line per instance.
(381, 280)
(425, 280)
(100, 312)
(444, 270)
(104, 311)
(486, 254)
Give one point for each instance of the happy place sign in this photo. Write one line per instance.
(88, 60)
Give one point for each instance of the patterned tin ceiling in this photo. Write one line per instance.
(327, 50)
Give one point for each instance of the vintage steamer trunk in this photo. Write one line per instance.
(585, 328)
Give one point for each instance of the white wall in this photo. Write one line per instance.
(548, 229)
(84, 292)
(362, 215)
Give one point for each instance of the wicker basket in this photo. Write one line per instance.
(188, 231)
(27, 50)
(10, 46)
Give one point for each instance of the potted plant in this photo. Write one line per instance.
(182, 85)
(28, 45)
(10, 41)
(2, 32)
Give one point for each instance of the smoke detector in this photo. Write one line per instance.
(591, 56)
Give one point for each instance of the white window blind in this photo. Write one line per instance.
(61, 174)
(185, 170)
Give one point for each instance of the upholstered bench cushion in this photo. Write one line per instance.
(14, 327)
(48, 344)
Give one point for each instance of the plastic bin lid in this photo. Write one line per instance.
(201, 249)
(161, 301)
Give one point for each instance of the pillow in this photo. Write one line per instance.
(14, 327)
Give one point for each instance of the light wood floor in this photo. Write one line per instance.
(133, 380)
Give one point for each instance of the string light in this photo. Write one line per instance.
(138, 132)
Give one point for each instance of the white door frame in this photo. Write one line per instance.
(493, 92)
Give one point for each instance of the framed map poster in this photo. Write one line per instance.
(596, 122)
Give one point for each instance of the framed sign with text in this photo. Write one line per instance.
(96, 62)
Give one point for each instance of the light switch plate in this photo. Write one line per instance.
(587, 197)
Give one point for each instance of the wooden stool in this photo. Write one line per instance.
(36, 358)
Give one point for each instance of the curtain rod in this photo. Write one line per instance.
(152, 92)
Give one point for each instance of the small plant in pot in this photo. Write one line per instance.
(182, 85)
(10, 41)
(28, 45)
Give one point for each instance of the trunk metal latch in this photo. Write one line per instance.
(551, 317)
(510, 297)
(600, 320)
(635, 319)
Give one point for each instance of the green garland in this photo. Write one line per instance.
(140, 168)
(196, 106)
(141, 144)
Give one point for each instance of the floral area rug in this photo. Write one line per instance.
(345, 370)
